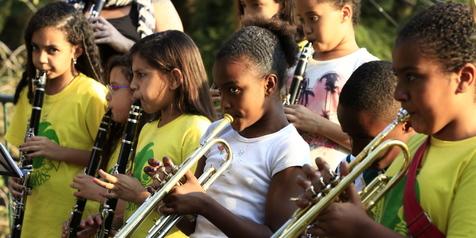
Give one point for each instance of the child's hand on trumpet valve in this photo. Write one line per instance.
(349, 214)
(188, 192)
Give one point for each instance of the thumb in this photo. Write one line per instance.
(350, 192)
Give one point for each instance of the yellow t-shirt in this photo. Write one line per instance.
(446, 188)
(176, 140)
(71, 119)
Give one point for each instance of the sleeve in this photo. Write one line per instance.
(462, 214)
(293, 152)
(95, 110)
(18, 122)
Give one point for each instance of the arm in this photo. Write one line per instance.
(166, 16)
(312, 123)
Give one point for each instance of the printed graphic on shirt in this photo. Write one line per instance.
(391, 209)
(42, 166)
(140, 162)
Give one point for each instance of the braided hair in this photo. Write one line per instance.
(268, 44)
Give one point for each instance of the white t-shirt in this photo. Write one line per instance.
(323, 82)
(243, 187)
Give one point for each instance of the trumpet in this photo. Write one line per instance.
(297, 224)
(166, 223)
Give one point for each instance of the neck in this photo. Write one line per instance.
(56, 85)
(167, 115)
(272, 121)
(461, 128)
(347, 46)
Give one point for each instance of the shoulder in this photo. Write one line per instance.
(89, 86)
(288, 148)
(193, 122)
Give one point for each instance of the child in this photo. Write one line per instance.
(365, 114)
(329, 25)
(434, 59)
(168, 78)
(251, 198)
(59, 41)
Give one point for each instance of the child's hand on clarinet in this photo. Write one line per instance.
(122, 186)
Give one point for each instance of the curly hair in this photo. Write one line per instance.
(66, 18)
(375, 83)
(268, 44)
(443, 31)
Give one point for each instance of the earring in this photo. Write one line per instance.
(74, 61)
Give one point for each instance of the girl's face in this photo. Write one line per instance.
(425, 89)
(324, 24)
(52, 52)
(151, 86)
(242, 91)
(119, 96)
(260, 8)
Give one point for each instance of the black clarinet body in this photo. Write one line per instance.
(126, 152)
(91, 169)
(95, 8)
(296, 84)
(26, 164)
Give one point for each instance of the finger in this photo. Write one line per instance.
(154, 163)
(166, 210)
(291, 118)
(110, 178)
(303, 202)
(103, 184)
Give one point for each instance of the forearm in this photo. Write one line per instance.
(230, 224)
(186, 226)
(124, 46)
(331, 131)
(72, 156)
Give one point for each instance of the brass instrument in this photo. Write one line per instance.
(374, 191)
(26, 164)
(206, 179)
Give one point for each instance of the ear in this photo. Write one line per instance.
(77, 51)
(175, 78)
(466, 78)
(347, 13)
(271, 84)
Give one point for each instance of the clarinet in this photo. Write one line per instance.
(96, 7)
(126, 152)
(296, 85)
(26, 163)
(94, 161)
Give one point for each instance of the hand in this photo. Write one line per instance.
(159, 172)
(89, 226)
(349, 214)
(122, 186)
(39, 146)
(314, 182)
(15, 187)
(302, 118)
(87, 188)
(106, 33)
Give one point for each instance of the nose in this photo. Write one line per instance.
(43, 57)
(307, 29)
(225, 103)
(400, 93)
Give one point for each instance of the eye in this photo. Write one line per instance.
(314, 18)
(138, 75)
(411, 77)
(234, 91)
(34, 47)
(52, 50)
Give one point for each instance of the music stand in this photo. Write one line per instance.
(8, 166)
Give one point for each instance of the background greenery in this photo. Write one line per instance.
(208, 22)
